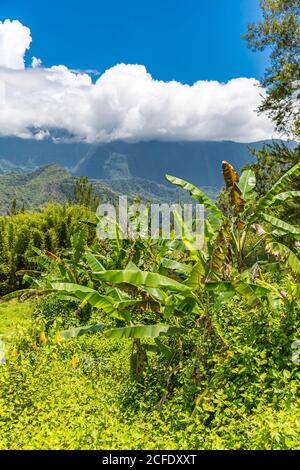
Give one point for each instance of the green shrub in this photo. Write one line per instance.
(58, 314)
(79, 395)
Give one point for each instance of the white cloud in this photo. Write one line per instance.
(124, 103)
(15, 39)
(35, 62)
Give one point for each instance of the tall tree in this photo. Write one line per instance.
(83, 193)
(279, 33)
(13, 207)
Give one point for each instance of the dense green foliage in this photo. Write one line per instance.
(79, 394)
(22, 234)
(272, 162)
(83, 194)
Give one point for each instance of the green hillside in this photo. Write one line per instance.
(34, 189)
(52, 183)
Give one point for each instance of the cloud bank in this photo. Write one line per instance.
(15, 39)
(124, 103)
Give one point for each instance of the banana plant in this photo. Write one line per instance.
(119, 294)
(167, 281)
(229, 232)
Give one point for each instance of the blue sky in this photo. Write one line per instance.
(185, 40)
(167, 70)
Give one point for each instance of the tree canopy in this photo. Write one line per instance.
(279, 33)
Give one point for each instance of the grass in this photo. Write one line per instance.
(13, 317)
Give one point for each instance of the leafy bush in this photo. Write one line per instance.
(51, 229)
(79, 394)
(55, 313)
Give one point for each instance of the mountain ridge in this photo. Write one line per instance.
(198, 162)
(53, 183)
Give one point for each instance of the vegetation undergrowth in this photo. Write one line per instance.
(80, 394)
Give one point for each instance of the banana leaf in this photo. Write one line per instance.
(142, 331)
(141, 278)
(93, 263)
(196, 194)
(75, 332)
(246, 184)
(281, 184)
(281, 225)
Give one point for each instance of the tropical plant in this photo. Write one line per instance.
(55, 229)
(144, 288)
(244, 224)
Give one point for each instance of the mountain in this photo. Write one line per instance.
(28, 154)
(198, 162)
(34, 189)
(53, 183)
